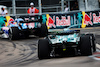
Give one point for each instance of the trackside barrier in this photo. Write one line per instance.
(81, 18)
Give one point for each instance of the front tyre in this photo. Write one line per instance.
(43, 30)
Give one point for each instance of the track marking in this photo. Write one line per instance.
(96, 55)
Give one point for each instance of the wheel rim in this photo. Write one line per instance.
(10, 34)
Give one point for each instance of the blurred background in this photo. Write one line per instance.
(20, 7)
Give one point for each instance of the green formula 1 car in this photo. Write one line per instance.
(66, 42)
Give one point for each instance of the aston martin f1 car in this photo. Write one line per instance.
(66, 42)
(24, 26)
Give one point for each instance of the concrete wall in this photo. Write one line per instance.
(91, 5)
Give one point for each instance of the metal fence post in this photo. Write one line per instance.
(86, 4)
(69, 5)
(14, 7)
(40, 9)
(62, 5)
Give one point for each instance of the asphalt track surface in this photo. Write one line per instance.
(23, 53)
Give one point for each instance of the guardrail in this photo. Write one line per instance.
(23, 10)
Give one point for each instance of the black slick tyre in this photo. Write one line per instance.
(43, 49)
(43, 30)
(14, 33)
(93, 41)
(86, 45)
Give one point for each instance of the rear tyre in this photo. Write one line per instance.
(86, 45)
(43, 49)
(14, 33)
(93, 42)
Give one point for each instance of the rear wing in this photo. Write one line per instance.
(31, 19)
(63, 32)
